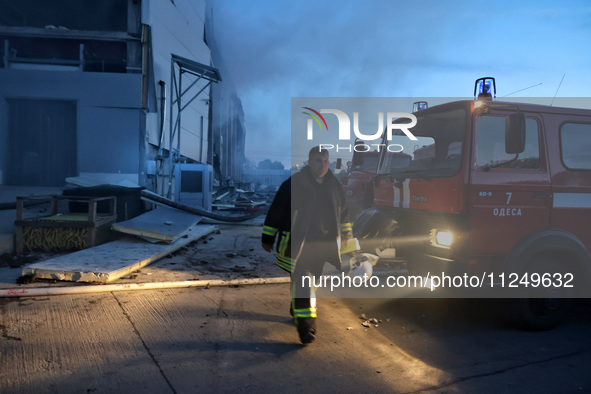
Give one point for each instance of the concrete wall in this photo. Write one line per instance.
(108, 118)
(115, 135)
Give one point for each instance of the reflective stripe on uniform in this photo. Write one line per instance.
(345, 227)
(283, 242)
(285, 263)
(268, 230)
(305, 312)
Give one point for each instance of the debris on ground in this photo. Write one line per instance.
(196, 259)
(26, 279)
(17, 261)
(367, 322)
(235, 199)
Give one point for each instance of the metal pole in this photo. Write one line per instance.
(170, 130)
(179, 131)
(81, 57)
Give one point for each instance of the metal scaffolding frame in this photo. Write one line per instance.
(181, 66)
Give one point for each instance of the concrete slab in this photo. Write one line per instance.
(161, 224)
(231, 252)
(110, 261)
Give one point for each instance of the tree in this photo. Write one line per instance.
(277, 165)
(265, 164)
(270, 165)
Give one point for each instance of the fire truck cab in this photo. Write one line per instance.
(492, 189)
(360, 170)
(360, 173)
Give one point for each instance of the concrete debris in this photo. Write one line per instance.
(349, 328)
(367, 322)
(108, 262)
(161, 224)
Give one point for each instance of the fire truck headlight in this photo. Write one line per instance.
(441, 238)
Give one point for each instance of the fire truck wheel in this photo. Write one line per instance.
(540, 314)
(543, 308)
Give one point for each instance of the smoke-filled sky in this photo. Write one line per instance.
(276, 50)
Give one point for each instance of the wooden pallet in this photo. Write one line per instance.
(93, 226)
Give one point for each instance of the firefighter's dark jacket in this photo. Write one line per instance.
(291, 216)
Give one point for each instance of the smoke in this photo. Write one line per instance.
(278, 50)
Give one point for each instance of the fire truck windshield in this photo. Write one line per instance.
(437, 152)
(369, 162)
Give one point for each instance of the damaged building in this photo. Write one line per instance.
(116, 91)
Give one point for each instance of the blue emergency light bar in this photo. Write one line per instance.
(419, 106)
(486, 88)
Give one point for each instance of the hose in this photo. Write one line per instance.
(47, 291)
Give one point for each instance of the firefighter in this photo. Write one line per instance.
(307, 218)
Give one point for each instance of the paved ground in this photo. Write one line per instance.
(241, 338)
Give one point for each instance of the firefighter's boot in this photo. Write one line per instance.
(307, 329)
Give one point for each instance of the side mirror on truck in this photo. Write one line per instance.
(515, 133)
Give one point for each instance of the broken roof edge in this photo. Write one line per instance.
(210, 73)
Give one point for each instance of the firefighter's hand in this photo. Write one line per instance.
(267, 247)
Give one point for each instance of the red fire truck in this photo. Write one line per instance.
(496, 190)
(360, 173)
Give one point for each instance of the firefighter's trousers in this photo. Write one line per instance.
(309, 265)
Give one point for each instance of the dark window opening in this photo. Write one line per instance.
(103, 15)
(97, 56)
(192, 181)
(575, 146)
(490, 145)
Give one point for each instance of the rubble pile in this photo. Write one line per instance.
(233, 199)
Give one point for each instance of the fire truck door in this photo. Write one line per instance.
(509, 195)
